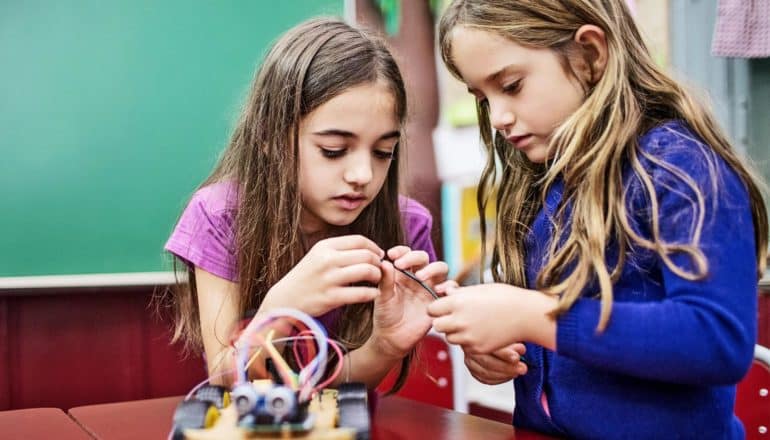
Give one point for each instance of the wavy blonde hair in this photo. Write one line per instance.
(589, 149)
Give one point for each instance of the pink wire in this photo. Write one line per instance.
(337, 370)
(297, 356)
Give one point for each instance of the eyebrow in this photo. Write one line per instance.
(347, 134)
(496, 75)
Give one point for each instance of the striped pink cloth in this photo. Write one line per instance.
(742, 29)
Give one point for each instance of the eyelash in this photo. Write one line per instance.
(385, 155)
(334, 154)
(512, 87)
(331, 154)
(509, 89)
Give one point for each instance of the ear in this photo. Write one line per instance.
(593, 44)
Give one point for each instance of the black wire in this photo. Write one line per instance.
(413, 277)
(433, 293)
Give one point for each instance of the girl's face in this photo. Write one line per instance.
(346, 147)
(528, 90)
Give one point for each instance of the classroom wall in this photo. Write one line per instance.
(111, 113)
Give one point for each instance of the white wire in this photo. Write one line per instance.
(313, 372)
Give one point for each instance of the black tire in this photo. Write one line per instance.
(218, 395)
(353, 407)
(190, 414)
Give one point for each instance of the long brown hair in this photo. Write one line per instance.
(309, 65)
(589, 148)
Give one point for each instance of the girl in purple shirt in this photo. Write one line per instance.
(303, 206)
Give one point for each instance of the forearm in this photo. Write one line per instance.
(367, 365)
(221, 367)
(540, 327)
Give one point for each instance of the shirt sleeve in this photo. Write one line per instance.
(417, 222)
(204, 235)
(701, 332)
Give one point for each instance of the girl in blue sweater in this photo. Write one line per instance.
(629, 235)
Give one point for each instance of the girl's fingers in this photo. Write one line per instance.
(352, 295)
(436, 270)
(397, 252)
(446, 325)
(357, 273)
(388, 281)
(347, 242)
(507, 354)
(446, 288)
(486, 373)
(493, 362)
(440, 307)
(411, 259)
(456, 338)
(355, 256)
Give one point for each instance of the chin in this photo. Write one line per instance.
(537, 155)
(341, 220)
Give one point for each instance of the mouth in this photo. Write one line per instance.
(520, 141)
(350, 201)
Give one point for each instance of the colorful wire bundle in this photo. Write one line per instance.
(308, 380)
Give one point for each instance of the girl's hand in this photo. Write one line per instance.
(400, 318)
(499, 366)
(324, 279)
(487, 317)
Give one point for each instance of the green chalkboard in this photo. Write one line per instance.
(111, 112)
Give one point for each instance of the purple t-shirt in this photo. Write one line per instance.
(204, 235)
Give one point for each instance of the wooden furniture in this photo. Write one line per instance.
(67, 347)
(752, 400)
(40, 423)
(394, 418)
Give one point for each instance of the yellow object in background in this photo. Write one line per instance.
(461, 226)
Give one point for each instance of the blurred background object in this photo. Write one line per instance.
(409, 28)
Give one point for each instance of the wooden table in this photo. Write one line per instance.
(395, 418)
(40, 423)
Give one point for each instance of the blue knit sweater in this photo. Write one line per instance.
(667, 364)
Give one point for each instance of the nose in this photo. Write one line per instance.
(501, 117)
(358, 170)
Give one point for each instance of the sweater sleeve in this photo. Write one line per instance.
(700, 332)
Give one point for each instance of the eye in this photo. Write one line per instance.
(332, 153)
(385, 154)
(512, 87)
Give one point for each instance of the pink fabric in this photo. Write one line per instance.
(544, 402)
(742, 29)
(205, 234)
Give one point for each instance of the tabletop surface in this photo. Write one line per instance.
(40, 423)
(395, 418)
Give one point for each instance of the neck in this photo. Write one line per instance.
(311, 236)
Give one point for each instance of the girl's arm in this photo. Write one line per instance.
(217, 308)
(218, 311)
(366, 364)
(673, 330)
(695, 332)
